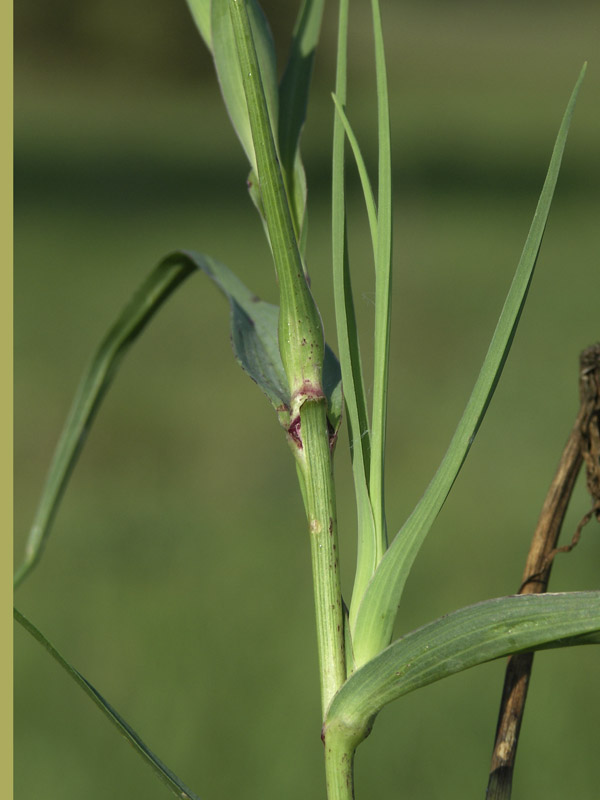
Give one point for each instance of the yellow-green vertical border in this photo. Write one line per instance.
(6, 436)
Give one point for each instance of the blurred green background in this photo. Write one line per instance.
(177, 578)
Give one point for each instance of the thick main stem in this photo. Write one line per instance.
(320, 508)
(301, 345)
(339, 768)
(322, 523)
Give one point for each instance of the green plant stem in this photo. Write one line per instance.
(339, 767)
(301, 341)
(322, 525)
(301, 345)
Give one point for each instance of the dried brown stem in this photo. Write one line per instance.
(582, 445)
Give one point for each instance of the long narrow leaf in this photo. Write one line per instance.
(161, 770)
(255, 344)
(362, 172)
(295, 83)
(301, 341)
(461, 640)
(230, 77)
(200, 11)
(293, 102)
(151, 295)
(378, 609)
(383, 286)
(348, 344)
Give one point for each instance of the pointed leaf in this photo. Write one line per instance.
(301, 340)
(378, 609)
(293, 102)
(383, 287)
(150, 296)
(295, 83)
(200, 10)
(230, 77)
(255, 344)
(161, 770)
(347, 333)
(362, 172)
(458, 641)
(254, 335)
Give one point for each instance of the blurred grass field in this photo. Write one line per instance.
(177, 578)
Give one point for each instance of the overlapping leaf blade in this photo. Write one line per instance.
(229, 75)
(293, 102)
(378, 609)
(349, 348)
(287, 106)
(383, 287)
(463, 639)
(255, 344)
(146, 301)
(200, 11)
(362, 172)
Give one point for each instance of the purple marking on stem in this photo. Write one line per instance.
(294, 432)
(308, 392)
(333, 434)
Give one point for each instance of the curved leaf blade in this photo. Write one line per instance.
(383, 289)
(255, 341)
(362, 171)
(253, 332)
(349, 346)
(378, 609)
(168, 777)
(255, 344)
(295, 83)
(293, 102)
(229, 74)
(150, 296)
(461, 640)
(200, 11)
(301, 337)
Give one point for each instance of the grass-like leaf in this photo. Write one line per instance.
(383, 285)
(348, 343)
(295, 83)
(378, 609)
(370, 497)
(255, 345)
(255, 340)
(293, 102)
(458, 641)
(301, 341)
(174, 783)
(150, 296)
(362, 172)
(229, 75)
(287, 106)
(200, 11)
